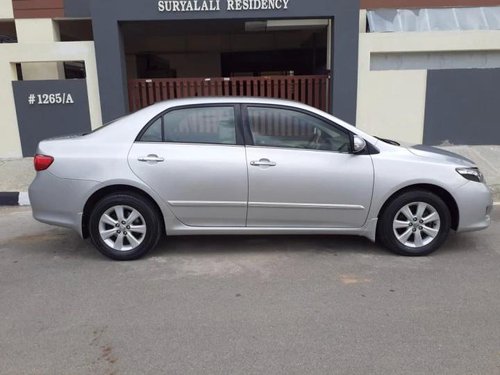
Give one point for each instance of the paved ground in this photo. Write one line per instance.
(246, 305)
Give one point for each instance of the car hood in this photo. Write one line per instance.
(439, 154)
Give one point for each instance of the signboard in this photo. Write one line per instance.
(50, 108)
(216, 5)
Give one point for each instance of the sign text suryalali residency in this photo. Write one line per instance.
(215, 5)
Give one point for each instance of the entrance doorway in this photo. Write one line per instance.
(175, 59)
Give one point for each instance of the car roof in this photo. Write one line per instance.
(141, 117)
(158, 107)
(227, 99)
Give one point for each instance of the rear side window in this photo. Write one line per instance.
(216, 125)
(153, 133)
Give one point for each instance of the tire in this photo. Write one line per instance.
(124, 226)
(399, 232)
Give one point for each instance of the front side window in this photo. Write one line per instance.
(215, 125)
(276, 127)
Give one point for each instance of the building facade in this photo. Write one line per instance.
(414, 70)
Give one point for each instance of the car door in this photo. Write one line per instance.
(302, 173)
(194, 158)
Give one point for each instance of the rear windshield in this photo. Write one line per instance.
(103, 126)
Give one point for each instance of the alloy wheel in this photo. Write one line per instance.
(122, 228)
(416, 224)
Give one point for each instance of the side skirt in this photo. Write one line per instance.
(368, 230)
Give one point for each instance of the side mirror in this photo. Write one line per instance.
(359, 144)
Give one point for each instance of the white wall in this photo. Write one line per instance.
(6, 11)
(391, 104)
(39, 31)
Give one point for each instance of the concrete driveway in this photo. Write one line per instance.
(246, 305)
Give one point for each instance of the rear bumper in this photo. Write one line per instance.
(474, 202)
(59, 201)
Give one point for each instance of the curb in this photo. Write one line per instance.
(14, 198)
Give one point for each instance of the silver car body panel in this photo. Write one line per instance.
(227, 195)
(205, 185)
(58, 201)
(308, 188)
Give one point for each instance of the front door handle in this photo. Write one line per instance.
(151, 158)
(263, 163)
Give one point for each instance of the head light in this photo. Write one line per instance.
(472, 174)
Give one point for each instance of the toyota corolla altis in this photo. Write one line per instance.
(251, 166)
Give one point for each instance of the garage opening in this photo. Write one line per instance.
(270, 58)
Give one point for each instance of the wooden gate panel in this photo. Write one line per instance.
(313, 90)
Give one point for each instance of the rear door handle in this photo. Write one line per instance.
(151, 158)
(263, 163)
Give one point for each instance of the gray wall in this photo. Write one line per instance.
(77, 8)
(462, 106)
(106, 16)
(42, 121)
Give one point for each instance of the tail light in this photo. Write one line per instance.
(42, 162)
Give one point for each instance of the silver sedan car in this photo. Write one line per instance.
(251, 166)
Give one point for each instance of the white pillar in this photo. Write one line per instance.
(39, 31)
(10, 141)
(6, 11)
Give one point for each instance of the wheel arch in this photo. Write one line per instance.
(111, 189)
(439, 191)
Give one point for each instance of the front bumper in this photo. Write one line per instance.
(474, 202)
(59, 201)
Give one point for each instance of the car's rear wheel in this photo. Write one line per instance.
(124, 226)
(415, 223)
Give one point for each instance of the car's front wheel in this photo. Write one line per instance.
(415, 223)
(124, 226)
